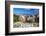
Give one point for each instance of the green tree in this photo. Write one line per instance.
(15, 18)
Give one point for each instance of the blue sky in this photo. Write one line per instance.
(24, 11)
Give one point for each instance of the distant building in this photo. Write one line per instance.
(22, 18)
(33, 19)
(25, 18)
